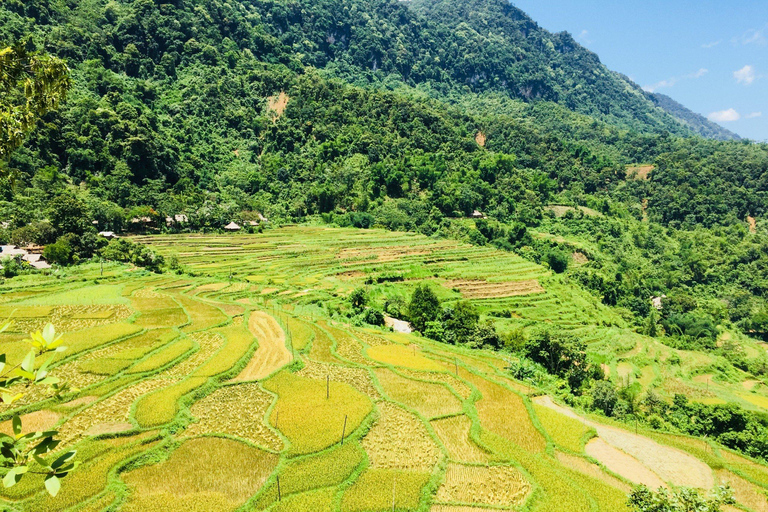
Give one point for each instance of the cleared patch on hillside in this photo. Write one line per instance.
(479, 289)
(480, 138)
(277, 104)
(272, 353)
(639, 172)
(502, 486)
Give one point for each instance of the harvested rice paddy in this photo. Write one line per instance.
(212, 394)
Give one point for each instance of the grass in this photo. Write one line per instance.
(202, 474)
(88, 339)
(454, 432)
(328, 469)
(566, 432)
(202, 316)
(238, 344)
(309, 420)
(444, 441)
(88, 481)
(164, 356)
(301, 334)
(398, 440)
(503, 412)
(162, 406)
(84, 295)
(316, 501)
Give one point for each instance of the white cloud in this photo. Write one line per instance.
(671, 82)
(712, 44)
(758, 36)
(724, 116)
(754, 115)
(584, 37)
(745, 75)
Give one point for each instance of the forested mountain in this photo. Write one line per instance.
(407, 115)
(698, 123)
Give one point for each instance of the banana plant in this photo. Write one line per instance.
(23, 454)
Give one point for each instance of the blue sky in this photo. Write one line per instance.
(710, 55)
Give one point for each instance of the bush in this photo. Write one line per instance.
(128, 252)
(61, 252)
(373, 317)
(604, 397)
(557, 260)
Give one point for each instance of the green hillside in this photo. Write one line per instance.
(250, 358)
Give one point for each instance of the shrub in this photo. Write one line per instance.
(557, 260)
(373, 317)
(60, 253)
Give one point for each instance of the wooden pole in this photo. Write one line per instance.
(394, 481)
(344, 430)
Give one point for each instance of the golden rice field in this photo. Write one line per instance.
(207, 393)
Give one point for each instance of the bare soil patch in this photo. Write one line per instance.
(276, 105)
(752, 224)
(585, 467)
(272, 353)
(480, 138)
(639, 172)
(746, 493)
(668, 464)
(37, 421)
(623, 464)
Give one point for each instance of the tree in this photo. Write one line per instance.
(423, 308)
(31, 85)
(60, 253)
(359, 299)
(562, 354)
(68, 214)
(19, 451)
(461, 319)
(643, 499)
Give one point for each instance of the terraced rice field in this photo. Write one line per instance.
(205, 394)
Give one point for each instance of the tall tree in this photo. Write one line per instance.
(31, 85)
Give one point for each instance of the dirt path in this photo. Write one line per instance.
(398, 325)
(616, 447)
(272, 353)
